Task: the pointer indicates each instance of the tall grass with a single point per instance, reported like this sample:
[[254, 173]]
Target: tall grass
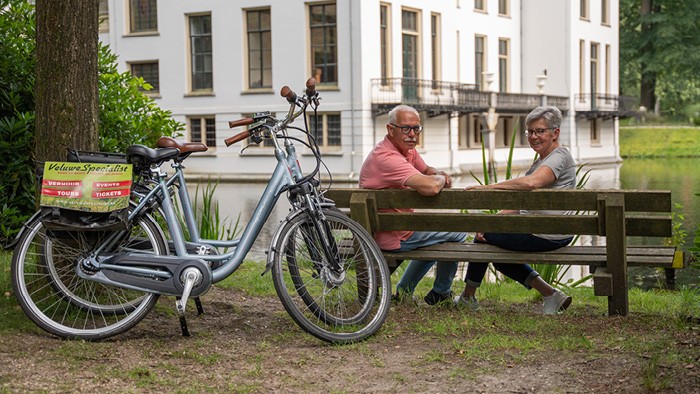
[[208, 216]]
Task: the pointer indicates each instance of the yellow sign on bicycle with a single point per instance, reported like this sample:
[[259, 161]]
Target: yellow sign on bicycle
[[90, 187]]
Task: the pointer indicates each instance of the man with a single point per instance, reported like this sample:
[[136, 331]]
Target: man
[[394, 163]]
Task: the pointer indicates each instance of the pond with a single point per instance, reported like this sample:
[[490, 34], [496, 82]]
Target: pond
[[681, 176]]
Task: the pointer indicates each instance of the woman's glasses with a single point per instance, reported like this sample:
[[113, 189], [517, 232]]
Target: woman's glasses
[[537, 132]]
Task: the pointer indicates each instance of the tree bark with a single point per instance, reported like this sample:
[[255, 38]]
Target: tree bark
[[66, 90], [647, 86]]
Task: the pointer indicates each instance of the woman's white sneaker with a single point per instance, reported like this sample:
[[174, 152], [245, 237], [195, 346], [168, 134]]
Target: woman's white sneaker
[[470, 302], [556, 303]]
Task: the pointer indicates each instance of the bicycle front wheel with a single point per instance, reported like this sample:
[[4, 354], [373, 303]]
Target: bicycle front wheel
[[338, 306], [53, 296]]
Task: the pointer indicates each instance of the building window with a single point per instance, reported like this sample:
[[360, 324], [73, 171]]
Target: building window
[[607, 69], [479, 61], [385, 43], [503, 65], [509, 129], [203, 129], [202, 76], [594, 73], [259, 49], [605, 12], [149, 72], [581, 69], [324, 43], [410, 31], [595, 131], [435, 47], [325, 128], [104, 16], [480, 5], [583, 12], [504, 7], [469, 135], [143, 16]]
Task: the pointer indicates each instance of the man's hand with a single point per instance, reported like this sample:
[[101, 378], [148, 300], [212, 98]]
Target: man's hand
[[448, 179]]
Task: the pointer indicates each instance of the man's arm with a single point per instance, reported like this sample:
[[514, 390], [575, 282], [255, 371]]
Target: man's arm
[[427, 185], [542, 177]]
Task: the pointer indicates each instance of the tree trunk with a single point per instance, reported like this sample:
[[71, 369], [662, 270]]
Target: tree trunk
[[66, 77], [647, 86]]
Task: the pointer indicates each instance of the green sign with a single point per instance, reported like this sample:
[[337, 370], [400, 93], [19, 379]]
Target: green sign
[[87, 187]]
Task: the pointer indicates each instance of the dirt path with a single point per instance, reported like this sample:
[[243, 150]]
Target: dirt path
[[249, 344]]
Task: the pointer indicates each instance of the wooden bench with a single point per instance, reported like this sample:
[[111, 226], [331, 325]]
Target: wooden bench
[[614, 214]]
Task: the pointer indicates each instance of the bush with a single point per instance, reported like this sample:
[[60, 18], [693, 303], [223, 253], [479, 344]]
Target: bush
[[127, 115]]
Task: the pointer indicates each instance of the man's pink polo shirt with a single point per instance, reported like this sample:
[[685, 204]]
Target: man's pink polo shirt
[[386, 168]]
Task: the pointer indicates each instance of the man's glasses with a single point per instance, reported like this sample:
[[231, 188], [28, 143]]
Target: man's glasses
[[407, 129], [537, 132]]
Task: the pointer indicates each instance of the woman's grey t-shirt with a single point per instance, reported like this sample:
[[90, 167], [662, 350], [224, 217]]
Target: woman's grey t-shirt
[[563, 166]]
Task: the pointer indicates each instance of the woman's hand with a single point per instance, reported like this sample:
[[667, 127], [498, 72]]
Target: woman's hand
[[479, 237]]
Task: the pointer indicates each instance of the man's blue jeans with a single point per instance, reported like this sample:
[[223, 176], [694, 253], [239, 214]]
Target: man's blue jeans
[[416, 270]]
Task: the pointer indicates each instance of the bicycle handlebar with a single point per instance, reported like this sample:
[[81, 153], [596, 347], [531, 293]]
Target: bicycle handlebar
[[310, 87], [240, 122], [289, 94], [291, 97], [238, 137]]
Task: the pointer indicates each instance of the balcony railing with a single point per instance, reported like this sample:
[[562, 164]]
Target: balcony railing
[[595, 105], [438, 97], [435, 96]]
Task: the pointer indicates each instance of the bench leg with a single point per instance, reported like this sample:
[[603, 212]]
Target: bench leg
[[616, 253], [670, 278]]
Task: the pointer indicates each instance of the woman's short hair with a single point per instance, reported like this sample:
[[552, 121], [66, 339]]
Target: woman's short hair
[[551, 115]]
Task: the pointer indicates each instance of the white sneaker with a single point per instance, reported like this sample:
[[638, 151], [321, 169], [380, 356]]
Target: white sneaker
[[470, 302], [556, 303]]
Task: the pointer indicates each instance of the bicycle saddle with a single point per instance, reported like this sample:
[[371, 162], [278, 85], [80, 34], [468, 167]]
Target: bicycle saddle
[[184, 147], [140, 155]]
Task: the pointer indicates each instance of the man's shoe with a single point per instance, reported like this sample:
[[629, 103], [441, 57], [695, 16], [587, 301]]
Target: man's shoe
[[433, 298], [556, 303], [403, 298], [470, 302]]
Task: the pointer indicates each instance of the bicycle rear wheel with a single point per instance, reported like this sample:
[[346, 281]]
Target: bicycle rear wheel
[[336, 306], [49, 290]]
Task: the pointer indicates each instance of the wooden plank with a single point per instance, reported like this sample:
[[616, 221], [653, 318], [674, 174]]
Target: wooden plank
[[602, 282], [437, 221], [570, 255], [616, 256], [635, 200]]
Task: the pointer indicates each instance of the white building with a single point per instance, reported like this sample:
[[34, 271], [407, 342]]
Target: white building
[[212, 61]]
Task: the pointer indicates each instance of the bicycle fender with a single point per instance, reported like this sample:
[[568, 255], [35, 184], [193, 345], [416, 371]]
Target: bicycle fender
[[270, 250], [11, 244]]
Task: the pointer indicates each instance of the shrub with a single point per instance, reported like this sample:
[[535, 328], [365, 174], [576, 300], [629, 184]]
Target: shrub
[[127, 115]]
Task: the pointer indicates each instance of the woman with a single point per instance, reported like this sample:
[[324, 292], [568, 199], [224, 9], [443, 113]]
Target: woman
[[553, 169]]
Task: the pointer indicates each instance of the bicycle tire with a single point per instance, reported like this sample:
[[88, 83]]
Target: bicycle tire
[[343, 307], [62, 303]]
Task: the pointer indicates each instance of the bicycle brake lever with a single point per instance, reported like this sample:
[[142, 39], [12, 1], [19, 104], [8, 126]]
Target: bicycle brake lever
[[247, 146]]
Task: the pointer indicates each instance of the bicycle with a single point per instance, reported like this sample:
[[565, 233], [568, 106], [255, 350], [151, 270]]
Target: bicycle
[[327, 270]]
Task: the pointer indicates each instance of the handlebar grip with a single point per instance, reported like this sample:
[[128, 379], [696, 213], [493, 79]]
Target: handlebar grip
[[289, 94], [310, 87], [240, 122], [238, 137]]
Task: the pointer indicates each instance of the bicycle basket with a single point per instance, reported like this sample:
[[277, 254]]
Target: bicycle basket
[[84, 196]]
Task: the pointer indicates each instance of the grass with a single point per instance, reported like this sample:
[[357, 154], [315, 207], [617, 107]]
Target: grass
[[509, 331], [657, 142]]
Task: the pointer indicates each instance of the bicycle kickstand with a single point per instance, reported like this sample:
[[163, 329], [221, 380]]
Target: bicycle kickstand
[[191, 277]]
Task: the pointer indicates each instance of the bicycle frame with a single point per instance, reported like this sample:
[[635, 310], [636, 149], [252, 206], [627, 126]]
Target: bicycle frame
[[285, 175]]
